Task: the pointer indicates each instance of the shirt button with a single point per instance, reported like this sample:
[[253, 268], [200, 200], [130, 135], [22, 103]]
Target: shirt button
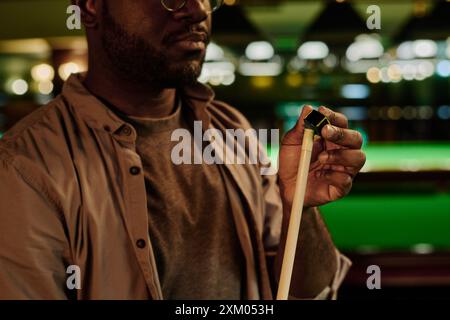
[[135, 171], [126, 131], [141, 243]]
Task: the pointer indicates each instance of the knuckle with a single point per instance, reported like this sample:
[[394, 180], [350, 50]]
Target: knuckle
[[340, 135]]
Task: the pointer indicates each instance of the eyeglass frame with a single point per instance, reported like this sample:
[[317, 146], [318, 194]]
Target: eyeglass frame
[[184, 4]]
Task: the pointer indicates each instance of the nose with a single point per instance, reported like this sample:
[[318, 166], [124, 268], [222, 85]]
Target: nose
[[194, 11]]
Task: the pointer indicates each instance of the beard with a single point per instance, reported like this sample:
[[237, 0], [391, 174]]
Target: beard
[[136, 60]]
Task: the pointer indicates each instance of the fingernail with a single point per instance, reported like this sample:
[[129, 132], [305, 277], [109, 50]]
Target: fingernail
[[331, 131], [327, 111]]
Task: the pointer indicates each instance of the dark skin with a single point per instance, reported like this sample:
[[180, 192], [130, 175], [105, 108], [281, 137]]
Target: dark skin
[[150, 21], [136, 65], [336, 159]]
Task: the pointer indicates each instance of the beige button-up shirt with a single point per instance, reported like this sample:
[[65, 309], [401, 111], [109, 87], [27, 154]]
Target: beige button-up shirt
[[72, 193]]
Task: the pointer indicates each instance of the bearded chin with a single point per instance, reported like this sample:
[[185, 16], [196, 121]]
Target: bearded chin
[[136, 61], [176, 75]]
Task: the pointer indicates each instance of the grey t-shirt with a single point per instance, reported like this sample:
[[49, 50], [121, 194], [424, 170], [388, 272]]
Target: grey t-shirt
[[191, 226]]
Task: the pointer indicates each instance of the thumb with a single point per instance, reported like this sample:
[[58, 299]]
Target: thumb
[[295, 135]]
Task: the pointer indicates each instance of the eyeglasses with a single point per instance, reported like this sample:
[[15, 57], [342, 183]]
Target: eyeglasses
[[175, 5]]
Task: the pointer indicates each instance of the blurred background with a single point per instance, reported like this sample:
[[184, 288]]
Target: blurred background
[[269, 58]]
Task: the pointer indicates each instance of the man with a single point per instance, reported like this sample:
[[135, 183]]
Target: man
[[88, 180]]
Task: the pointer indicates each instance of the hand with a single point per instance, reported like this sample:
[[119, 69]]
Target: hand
[[336, 159]]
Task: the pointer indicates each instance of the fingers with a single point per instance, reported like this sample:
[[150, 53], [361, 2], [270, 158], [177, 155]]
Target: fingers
[[337, 133], [336, 118], [343, 137], [343, 157], [300, 123], [342, 182]]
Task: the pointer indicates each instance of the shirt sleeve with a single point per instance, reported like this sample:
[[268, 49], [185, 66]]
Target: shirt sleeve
[[331, 291], [32, 240]]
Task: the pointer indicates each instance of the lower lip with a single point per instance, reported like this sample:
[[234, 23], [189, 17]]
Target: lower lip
[[191, 45]]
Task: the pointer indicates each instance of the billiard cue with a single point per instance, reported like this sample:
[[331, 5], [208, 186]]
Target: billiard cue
[[314, 123]]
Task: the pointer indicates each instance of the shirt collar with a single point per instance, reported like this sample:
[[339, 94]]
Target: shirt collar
[[91, 109], [98, 116]]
